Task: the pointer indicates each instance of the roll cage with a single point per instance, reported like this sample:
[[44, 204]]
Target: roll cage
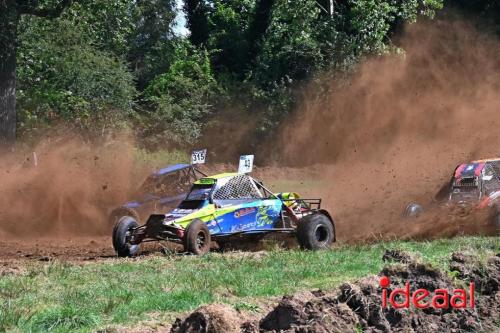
[[223, 190], [181, 177]]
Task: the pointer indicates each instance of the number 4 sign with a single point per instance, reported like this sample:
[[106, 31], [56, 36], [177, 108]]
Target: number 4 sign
[[246, 164], [198, 156]]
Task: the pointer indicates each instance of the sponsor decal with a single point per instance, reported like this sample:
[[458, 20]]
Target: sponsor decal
[[206, 181], [422, 298], [243, 212], [248, 226]]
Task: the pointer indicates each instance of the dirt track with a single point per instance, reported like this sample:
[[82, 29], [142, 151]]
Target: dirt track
[[391, 136], [44, 249], [371, 214]]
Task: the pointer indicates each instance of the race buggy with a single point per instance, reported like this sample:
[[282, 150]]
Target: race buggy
[[225, 207], [161, 191], [473, 187]]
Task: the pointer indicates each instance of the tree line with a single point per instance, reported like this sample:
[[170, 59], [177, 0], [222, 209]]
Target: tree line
[[99, 65]]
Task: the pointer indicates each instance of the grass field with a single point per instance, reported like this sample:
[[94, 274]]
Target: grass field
[[62, 297]]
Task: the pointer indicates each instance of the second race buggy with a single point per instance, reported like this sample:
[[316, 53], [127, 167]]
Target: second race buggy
[[161, 191], [474, 188]]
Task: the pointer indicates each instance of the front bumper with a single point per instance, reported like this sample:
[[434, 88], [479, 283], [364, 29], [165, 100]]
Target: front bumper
[[156, 229]]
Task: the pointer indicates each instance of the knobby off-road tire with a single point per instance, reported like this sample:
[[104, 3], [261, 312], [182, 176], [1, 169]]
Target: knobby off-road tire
[[315, 232], [197, 238], [121, 231]]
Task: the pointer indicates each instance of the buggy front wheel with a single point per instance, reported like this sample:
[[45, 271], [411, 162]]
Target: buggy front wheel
[[197, 238], [315, 232], [121, 237]]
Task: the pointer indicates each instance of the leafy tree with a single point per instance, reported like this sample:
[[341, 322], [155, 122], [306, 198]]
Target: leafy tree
[[107, 24], [62, 77], [289, 49], [306, 38], [197, 20], [230, 29], [10, 14], [258, 26], [86, 66], [180, 101], [300, 39], [486, 13], [228, 23], [152, 41]]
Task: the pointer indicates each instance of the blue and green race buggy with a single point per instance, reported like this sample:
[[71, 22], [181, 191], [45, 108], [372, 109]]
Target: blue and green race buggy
[[226, 207]]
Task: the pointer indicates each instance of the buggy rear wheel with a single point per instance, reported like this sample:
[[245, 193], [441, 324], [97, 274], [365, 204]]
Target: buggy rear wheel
[[121, 237], [197, 238], [315, 232]]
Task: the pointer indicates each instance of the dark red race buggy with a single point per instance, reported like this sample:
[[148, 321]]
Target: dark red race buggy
[[474, 187]]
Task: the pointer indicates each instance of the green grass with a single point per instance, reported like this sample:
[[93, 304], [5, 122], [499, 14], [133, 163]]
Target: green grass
[[158, 159], [63, 297]]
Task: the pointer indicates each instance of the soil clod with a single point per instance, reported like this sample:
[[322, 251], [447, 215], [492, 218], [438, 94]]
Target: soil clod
[[355, 307], [397, 256], [215, 318]]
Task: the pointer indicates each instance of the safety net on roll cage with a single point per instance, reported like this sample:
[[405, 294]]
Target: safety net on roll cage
[[237, 187]]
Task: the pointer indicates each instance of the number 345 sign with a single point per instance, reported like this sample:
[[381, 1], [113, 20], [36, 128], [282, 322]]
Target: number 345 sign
[[246, 164], [198, 156]]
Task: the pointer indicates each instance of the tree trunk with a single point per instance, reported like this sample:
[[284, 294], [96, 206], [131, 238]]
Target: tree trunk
[[8, 42], [258, 27], [326, 6], [8, 100], [197, 21]]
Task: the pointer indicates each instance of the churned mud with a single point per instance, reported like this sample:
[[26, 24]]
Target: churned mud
[[355, 307]]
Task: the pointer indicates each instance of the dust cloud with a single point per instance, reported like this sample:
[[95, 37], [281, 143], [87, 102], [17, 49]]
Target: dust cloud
[[391, 135], [66, 189], [397, 130]]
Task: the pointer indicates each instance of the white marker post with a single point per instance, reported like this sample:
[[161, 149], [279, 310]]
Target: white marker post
[[198, 156], [246, 164]]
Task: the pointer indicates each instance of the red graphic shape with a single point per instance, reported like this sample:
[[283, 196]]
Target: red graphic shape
[[384, 282]]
